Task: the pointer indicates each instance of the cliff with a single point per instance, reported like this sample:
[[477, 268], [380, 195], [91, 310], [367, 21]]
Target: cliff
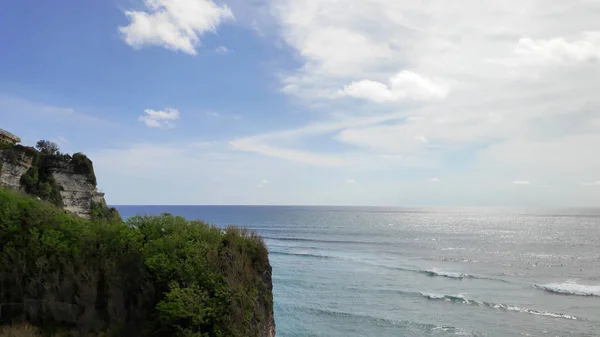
[[67, 181], [70, 266], [147, 276]]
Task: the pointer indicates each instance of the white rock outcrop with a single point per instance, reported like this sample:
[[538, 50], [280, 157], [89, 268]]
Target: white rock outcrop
[[11, 170], [76, 191]]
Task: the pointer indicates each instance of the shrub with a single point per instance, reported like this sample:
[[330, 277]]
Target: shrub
[[100, 212], [148, 276], [83, 165]]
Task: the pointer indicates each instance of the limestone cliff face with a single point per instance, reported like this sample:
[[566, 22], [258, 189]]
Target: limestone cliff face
[[77, 190], [12, 167]]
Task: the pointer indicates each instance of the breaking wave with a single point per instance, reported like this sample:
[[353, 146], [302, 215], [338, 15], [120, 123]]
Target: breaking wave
[[570, 288], [455, 275], [303, 254], [463, 300]]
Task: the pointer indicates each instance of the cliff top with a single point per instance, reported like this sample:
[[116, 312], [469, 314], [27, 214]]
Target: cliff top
[[7, 135]]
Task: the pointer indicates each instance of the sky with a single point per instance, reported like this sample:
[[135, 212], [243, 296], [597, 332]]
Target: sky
[[313, 102]]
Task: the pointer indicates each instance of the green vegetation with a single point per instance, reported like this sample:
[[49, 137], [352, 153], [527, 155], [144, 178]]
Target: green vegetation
[[148, 276], [101, 211], [38, 181], [83, 165]]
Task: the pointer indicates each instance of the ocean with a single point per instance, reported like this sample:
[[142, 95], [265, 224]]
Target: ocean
[[356, 271]]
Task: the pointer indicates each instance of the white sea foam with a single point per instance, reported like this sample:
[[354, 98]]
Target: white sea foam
[[570, 288], [449, 274], [464, 300]]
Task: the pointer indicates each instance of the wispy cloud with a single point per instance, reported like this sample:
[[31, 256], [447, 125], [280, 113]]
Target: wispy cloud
[[222, 50], [435, 180], [422, 139], [160, 118], [350, 181], [256, 28], [521, 182], [174, 24], [263, 183], [60, 140], [591, 183], [21, 107]]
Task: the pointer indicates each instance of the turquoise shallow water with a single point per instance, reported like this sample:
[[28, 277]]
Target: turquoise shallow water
[[343, 271]]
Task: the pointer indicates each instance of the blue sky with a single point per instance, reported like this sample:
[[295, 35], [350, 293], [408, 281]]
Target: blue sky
[[313, 101]]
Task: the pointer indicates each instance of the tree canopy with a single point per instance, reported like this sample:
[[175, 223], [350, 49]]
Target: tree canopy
[[148, 276]]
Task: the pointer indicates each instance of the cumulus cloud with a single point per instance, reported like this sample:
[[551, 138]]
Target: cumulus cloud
[[160, 118], [521, 182], [506, 88], [557, 50], [402, 86], [173, 24]]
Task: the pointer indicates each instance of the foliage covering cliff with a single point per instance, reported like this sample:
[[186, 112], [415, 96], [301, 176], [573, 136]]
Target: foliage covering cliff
[[148, 276]]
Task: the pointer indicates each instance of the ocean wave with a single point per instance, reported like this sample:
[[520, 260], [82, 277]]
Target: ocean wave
[[570, 288], [321, 240], [428, 272], [410, 327], [303, 254], [463, 300], [456, 275]]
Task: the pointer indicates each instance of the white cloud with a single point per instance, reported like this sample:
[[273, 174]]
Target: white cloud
[[350, 181], [521, 182], [404, 85], [160, 118], [299, 156], [557, 50], [173, 24], [221, 50], [505, 120], [256, 28], [591, 183], [213, 114], [435, 180], [415, 87]]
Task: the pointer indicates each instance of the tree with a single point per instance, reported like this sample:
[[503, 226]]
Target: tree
[[47, 147]]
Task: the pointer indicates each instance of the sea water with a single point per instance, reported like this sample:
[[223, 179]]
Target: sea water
[[355, 271]]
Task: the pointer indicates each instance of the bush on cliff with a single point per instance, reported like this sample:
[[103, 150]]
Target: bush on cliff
[[149, 276]]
